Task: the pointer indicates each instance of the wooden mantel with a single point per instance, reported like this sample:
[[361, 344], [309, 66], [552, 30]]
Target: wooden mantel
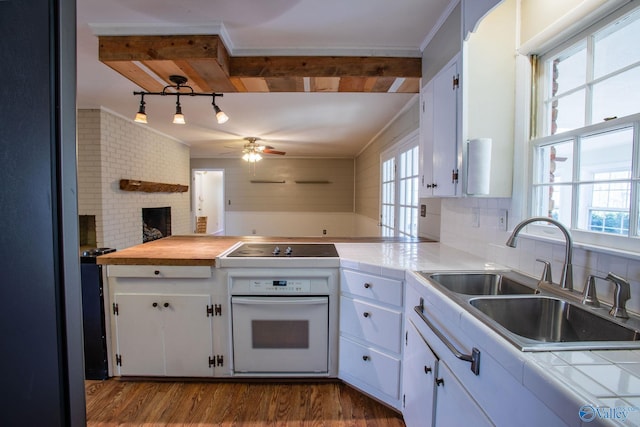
[[151, 187]]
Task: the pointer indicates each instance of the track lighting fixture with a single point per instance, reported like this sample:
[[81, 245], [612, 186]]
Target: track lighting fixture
[[179, 84]]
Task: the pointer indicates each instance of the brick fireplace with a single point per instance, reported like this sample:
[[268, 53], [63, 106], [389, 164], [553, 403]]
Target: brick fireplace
[[111, 148]]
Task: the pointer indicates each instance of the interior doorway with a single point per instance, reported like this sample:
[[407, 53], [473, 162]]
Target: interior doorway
[[208, 199]]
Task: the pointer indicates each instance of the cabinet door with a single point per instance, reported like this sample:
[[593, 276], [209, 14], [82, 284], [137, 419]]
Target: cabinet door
[[426, 140], [187, 335], [454, 406], [139, 336], [419, 366], [445, 130]]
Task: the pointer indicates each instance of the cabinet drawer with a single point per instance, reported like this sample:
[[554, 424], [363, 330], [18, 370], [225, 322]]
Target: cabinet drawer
[[159, 271], [371, 367], [374, 287], [375, 324]]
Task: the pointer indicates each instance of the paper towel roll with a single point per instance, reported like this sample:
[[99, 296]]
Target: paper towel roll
[[479, 166]]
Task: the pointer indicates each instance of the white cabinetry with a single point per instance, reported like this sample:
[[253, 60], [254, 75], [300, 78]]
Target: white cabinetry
[[472, 96], [432, 393], [371, 334], [439, 131], [167, 321], [418, 379], [163, 334]]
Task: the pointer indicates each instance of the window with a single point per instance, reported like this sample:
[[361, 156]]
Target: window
[[586, 170], [399, 195]]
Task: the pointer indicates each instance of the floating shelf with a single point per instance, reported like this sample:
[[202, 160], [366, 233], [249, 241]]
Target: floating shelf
[[266, 181], [314, 182], [151, 187]]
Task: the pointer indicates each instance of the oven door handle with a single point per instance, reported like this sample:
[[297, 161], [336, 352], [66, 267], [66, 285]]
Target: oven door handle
[[279, 300]]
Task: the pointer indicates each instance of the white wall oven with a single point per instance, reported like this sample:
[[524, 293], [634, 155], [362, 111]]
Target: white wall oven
[[284, 317]]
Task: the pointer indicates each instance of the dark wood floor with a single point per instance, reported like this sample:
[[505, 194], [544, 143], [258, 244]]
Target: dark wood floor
[[117, 402]]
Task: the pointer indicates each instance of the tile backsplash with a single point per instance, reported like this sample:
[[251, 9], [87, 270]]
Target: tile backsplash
[[473, 225]]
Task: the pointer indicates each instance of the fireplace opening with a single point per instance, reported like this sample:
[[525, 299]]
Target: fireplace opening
[[156, 223]]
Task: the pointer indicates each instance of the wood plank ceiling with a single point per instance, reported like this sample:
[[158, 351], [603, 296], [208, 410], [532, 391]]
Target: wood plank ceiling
[[205, 61]]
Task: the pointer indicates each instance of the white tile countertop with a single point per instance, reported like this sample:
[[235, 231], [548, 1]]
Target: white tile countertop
[[604, 381]]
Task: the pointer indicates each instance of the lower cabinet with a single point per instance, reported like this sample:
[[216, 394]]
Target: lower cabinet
[[418, 379], [169, 321], [163, 335], [433, 392], [371, 325]]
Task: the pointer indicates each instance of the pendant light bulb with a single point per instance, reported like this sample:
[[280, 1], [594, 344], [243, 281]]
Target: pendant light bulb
[[178, 118], [221, 117], [141, 116]]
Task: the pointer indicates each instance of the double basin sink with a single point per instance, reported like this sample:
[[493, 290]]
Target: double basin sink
[[507, 302]]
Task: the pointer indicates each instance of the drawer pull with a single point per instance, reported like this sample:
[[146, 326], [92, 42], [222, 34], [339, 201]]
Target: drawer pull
[[439, 382], [367, 285], [473, 358], [166, 304], [155, 304], [366, 314], [427, 370], [157, 272], [366, 358]]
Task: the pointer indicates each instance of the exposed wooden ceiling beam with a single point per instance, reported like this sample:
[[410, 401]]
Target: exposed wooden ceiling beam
[[205, 61]]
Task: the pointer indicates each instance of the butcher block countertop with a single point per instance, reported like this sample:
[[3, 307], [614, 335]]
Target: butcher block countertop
[[199, 250]]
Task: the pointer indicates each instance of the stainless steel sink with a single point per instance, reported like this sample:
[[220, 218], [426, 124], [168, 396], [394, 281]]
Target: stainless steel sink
[[546, 323], [481, 283]]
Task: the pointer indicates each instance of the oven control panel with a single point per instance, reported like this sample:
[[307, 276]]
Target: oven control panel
[[280, 286]]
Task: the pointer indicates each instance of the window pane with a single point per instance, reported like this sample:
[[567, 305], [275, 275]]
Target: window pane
[[553, 202], [604, 208], [568, 70], [616, 46], [555, 163], [606, 156], [567, 113], [613, 97]]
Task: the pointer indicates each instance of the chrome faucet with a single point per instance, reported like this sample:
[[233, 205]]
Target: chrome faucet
[[566, 279], [620, 296]]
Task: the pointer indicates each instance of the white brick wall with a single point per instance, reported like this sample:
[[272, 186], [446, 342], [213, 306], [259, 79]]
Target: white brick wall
[[111, 148]]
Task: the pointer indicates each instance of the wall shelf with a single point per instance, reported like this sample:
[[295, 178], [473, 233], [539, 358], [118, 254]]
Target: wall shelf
[[151, 187], [266, 181], [314, 182]]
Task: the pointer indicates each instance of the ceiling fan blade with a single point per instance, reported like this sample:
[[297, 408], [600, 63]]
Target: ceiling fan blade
[[270, 151]]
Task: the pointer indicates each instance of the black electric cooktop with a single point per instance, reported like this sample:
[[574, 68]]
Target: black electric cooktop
[[283, 250]]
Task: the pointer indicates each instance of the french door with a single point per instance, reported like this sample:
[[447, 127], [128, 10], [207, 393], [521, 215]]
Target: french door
[[399, 189]]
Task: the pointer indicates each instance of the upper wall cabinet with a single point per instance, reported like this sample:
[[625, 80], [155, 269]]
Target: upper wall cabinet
[[485, 109], [440, 133]]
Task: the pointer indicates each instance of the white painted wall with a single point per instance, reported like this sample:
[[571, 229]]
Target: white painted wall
[[111, 148]]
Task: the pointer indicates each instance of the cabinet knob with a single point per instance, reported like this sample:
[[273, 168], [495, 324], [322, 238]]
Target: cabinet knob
[[367, 285], [157, 272], [429, 185], [366, 314], [366, 358], [439, 382], [155, 304], [434, 185], [166, 304], [427, 370]]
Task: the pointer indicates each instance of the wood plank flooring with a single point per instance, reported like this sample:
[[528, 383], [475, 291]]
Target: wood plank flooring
[[117, 402]]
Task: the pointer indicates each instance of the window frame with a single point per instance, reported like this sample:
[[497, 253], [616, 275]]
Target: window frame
[[540, 123]]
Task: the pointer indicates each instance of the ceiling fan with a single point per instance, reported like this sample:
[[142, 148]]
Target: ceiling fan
[[252, 151]]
